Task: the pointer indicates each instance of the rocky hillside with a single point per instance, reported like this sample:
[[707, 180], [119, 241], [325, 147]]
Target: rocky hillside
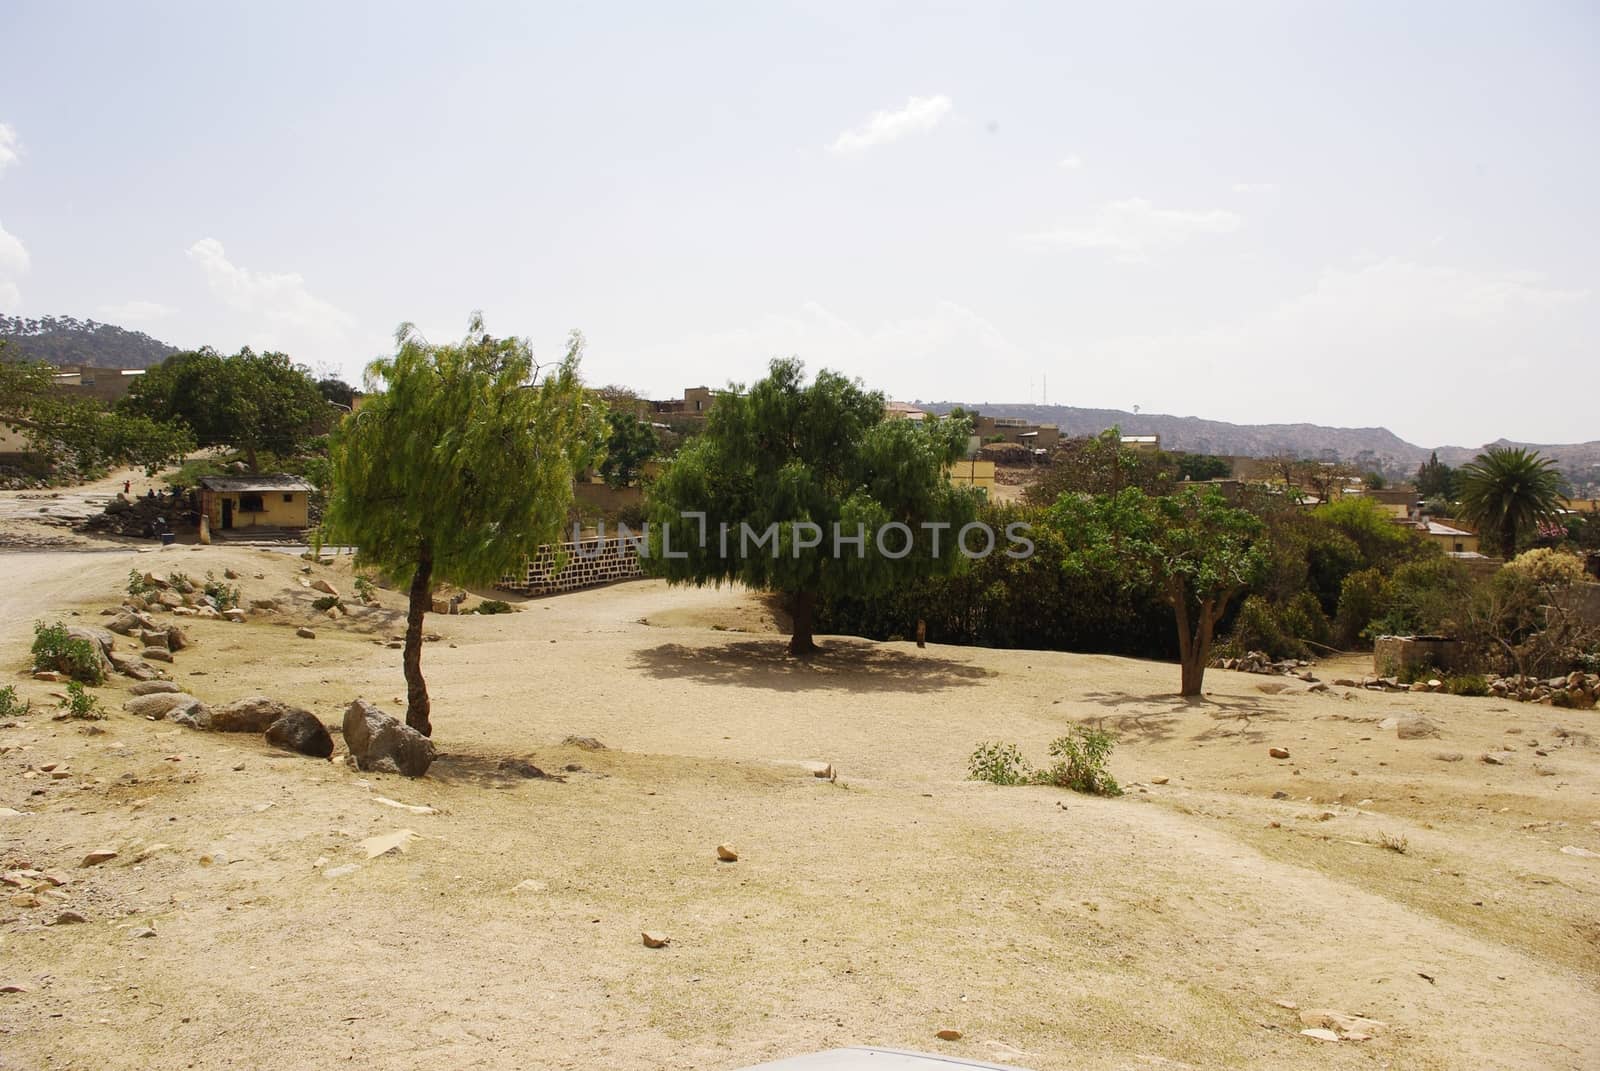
[[65, 341]]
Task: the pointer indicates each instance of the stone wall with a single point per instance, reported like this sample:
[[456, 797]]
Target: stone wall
[[1393, 655], [561, 567]]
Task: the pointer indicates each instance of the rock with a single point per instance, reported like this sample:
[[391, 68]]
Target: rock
[[1320, 1034], [236, 615], [587, 743], [136, 668], [823, 770], [302, 732], [1278, 752], [163, 704], [13, 987], [1448, 756], [1415, 728], [1159, 780], [143, 931], [726, 853], [69, 918], [253, 714], [125, 623], [325, 587], [1491, 759], [153, 637], [948, 1035], [379, 742], [1581, 853], [49, 676], [520, 768], [170, 599], [1280, 795], [98, 856], [265, 606], [177, 639], [653, 939], [394, 843], [305, 633], [414, 808], [154, 688], [156, 654]]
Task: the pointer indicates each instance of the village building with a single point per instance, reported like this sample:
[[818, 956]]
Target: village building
[[269, 500]]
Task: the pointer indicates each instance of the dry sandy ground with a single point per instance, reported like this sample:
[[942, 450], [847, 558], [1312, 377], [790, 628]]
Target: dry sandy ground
[[1159, 930]]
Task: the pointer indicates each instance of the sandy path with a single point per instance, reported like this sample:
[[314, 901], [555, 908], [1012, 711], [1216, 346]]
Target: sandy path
[[1056, 931]]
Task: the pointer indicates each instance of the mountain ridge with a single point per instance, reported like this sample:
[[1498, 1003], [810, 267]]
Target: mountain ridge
[[66, 341]]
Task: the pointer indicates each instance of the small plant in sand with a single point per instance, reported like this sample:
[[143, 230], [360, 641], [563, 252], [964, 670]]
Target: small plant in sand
[[79, 704], [366, 591], [225, 595], [10, 705], [54, 649], [326, 602], [1080, 764], [137, 584], [1393, 843], [493, 606]]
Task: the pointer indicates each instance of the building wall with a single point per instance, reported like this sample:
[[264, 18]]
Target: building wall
[[1464, 543], [274, 512], [979, 474], [1392, 655], [560, 567]]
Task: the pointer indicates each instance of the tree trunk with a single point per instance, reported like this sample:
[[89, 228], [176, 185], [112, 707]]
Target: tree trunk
[[250, 458], [417, 706], [1508, 539], [803, 610]]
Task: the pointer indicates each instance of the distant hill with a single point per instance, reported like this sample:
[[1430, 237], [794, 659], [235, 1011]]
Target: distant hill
[[66, 341], [1377, 448]]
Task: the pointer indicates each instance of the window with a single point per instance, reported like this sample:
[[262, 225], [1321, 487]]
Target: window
[[288, 496], [251, 504]]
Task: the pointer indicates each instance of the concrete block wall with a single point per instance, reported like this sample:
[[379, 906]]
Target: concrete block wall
[[598, 564]]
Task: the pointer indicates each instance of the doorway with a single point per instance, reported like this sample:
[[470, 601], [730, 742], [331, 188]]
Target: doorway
[[227, 513]]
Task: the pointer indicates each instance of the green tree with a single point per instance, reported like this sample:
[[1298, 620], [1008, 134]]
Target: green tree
[[785, 469], [249, 401], [1101, 465], [1508, 491], [85, 433], [1192, 549], [457, 469], [630, 442], [1436, 479], [1203, 467]]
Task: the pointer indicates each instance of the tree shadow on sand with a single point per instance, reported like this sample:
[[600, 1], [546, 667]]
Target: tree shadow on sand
[[1158, 720], [839, 666], [489, 771]]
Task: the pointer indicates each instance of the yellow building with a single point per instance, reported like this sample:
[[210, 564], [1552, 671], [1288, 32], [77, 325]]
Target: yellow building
[[974, 473], [271, 500], [1454, 540]]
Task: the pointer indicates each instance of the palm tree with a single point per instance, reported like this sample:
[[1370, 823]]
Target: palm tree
[[1508, 490]]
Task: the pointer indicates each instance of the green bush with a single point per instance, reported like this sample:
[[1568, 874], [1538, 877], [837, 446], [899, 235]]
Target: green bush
[[1081, 762], [10, 705], [1259, 627], [326, 602], [224, 595], [54, 650], [137, 584], [1467, 684], [79, 704], [999, 764], [365, 591], [493, 606]]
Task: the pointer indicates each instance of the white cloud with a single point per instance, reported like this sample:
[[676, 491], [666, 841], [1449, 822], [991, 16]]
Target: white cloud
[[8, 146], [1438, 354], [1131, 229], [135, 312], [275, 311], [13, 266], [1255, 187], [920, 114], [1070, 163]]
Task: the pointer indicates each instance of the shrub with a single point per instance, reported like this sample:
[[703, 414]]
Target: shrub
[[326, 602], [1548, 568], [137, 584], [10, 705], [225, 597], [78, 703], [1467, 684], [1081, 762], [493, 606], [365, 590], [53, 649], [999, 764], [1395, 843], [1258, 627]]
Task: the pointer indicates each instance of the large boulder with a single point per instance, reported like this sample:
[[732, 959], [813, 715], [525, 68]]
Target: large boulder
[[126, 623], [98, 638], [253, 714], [154, 687], [379, 742], [177, 639], [137, 668], [302, 731], [161, 705]]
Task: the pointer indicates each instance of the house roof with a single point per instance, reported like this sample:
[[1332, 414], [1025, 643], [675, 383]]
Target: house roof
[[1435, 528], [270, 481]]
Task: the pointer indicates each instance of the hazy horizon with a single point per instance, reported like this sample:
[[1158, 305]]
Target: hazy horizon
[[1353, 216]]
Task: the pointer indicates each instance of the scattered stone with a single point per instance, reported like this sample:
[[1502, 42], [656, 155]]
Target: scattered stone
[[143, 931], [156, 654], [68, 918], [948, 1035], [414, 808], [164, 704], [252, 714], [325, 587], [301, 731], [587, 743], [305, 633], [1415, 728], [379, 742], [98, 856], [49, 676], [389, 843], [1320, 1034], [1448, 756], [1278, 752], [1280, 795], [153, 688], [521, 768], [13, 987], [1488, 758], [652, 939], [1159, 780], [726, 853], [340, 871], [823, 770]]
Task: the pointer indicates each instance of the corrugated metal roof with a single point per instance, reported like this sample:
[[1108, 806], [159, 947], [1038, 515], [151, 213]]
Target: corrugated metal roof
[[270, 481]]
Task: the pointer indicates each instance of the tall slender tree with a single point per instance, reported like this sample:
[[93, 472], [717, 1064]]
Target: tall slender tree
[[1509, 491], [456, 468]]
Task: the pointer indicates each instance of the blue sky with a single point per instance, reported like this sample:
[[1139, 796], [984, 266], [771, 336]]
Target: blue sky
[[1353, 214]]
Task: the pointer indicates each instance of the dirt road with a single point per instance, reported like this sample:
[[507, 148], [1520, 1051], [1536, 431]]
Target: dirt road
[[1165, 929]]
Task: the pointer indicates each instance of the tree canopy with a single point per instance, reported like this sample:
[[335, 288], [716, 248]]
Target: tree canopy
[[1509, 491], [630, 442], [82, 432], [1191, 548], [252, 402], [783, 467], [457, 468]]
